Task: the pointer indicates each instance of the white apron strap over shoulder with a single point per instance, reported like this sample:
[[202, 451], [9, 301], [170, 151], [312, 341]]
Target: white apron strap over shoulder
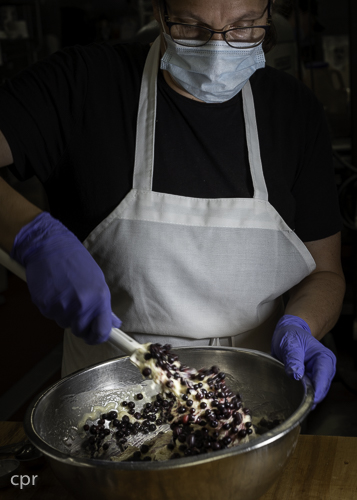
[[256, 167], [146, 120]]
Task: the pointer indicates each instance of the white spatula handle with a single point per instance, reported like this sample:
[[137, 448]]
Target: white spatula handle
[[12, 265], [123, 341], [117, 337]]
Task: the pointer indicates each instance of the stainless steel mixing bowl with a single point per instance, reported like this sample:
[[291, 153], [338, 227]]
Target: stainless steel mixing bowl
[[245, 471]]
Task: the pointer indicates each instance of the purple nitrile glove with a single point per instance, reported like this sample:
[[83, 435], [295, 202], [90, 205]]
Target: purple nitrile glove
[[65, 282], [294, 345]]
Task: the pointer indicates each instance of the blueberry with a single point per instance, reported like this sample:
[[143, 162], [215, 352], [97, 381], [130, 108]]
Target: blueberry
[[191, 440], [146, 372], [238, 418]]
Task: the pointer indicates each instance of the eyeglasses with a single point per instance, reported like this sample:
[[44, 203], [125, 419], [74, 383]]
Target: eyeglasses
[[191, 35]]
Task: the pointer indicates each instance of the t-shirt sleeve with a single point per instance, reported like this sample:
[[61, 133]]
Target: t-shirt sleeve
[[39, 109], [314, 189]]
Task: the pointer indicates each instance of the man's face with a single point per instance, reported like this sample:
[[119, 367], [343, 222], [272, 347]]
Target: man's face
[[215, 14]]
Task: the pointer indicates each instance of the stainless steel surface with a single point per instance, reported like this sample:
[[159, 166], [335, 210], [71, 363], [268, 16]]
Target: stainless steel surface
[[117, 337], [245, 471]]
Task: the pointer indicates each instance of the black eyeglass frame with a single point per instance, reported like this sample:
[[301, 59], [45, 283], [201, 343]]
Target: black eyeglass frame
[[266, 28]]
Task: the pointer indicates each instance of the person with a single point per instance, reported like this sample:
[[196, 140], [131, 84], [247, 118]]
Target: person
[[191, 192]]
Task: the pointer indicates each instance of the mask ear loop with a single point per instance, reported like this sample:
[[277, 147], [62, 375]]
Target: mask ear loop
[[162, 25]]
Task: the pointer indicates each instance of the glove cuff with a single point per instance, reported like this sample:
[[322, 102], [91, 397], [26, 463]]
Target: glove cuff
[[289, 319]]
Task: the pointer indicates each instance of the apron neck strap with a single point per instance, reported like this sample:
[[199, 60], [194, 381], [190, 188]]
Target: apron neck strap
[[256, 167], [145, 129], [145, 126]]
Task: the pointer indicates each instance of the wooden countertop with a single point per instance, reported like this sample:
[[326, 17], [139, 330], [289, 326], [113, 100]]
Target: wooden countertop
[[321, 468]]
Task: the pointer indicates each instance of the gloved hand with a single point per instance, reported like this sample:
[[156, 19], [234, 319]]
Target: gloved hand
[[65, 282], [294, 345]]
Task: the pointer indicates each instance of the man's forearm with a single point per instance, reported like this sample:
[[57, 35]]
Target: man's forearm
[[318, 300], [15, 212]]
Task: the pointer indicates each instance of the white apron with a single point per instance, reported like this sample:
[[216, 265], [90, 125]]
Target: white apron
[[192, 271]]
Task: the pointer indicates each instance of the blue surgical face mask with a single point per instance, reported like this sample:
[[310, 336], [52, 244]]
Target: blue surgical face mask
[[214, 72]]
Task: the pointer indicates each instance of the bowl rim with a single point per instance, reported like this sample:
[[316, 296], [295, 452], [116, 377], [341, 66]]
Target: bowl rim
[[267, 438]]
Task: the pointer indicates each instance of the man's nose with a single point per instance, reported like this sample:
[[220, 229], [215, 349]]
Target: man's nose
[[217, 36]]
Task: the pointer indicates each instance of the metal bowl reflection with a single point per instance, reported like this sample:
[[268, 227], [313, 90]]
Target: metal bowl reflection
[[246, 471]]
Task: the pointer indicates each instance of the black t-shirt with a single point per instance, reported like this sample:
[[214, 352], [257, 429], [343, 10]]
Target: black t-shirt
[[71, 120]]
